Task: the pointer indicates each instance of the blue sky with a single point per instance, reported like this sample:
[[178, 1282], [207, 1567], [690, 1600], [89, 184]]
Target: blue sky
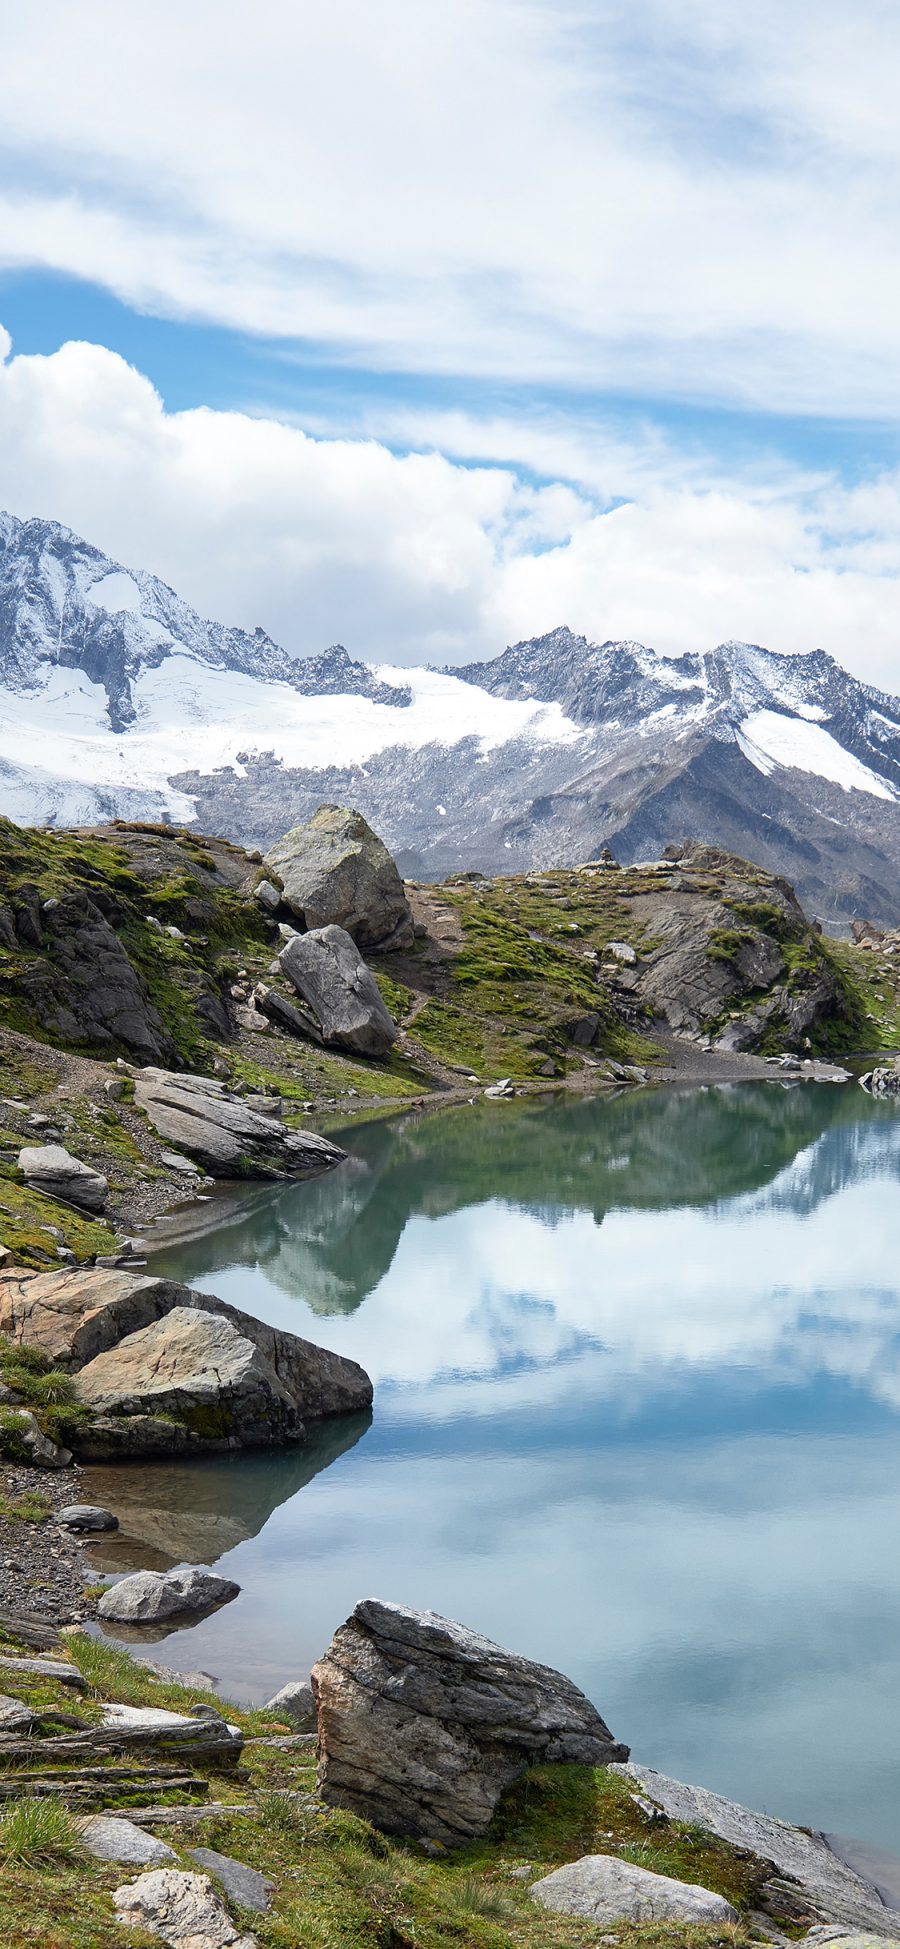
[[425, 329]]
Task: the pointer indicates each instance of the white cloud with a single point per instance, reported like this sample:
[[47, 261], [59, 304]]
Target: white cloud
[[692, 200], [415, 556]]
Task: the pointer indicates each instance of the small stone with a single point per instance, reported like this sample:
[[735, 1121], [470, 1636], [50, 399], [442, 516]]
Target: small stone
[[622, 951], [148, 1597], [173, 1162], [86, 1516]]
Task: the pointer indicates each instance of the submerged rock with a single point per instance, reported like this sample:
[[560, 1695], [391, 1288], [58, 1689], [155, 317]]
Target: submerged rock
[[335, 871], [333, 980], [422, 1723], [605, 1889]]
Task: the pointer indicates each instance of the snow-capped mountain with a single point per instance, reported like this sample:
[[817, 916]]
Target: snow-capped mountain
[[118, 700]]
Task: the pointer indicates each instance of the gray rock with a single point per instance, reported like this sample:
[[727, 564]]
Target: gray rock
[[605, 1889], [14, 1716], [183, 1909], [85, 1516], [503, 1089], [108, 1839], [422, 1723], [52, 1169], [295, 1702], [84, 989], [44, 1668], [833, 1890], [244, 1886], [855, 1939], [185, 1165], [198, 1369], [39, 1450], [882, 1082], [150, 1597], [335, 871], [328, 972], [74, 1316], [229, 1139], [621, 951], [268, 896], [285, 1015]]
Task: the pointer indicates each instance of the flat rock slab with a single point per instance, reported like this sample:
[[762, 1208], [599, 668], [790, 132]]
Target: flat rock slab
[[422, 1723], [150, 1596], [43, 1668], [183, 1909], [605, 1889], [857, 1939], [834, 1891], [121, 1841], [228, 1138], [244, 1886]]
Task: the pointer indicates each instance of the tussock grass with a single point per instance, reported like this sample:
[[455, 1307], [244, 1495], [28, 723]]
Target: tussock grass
[[35, 1832]]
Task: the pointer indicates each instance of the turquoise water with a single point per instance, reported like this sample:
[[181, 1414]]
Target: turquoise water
[[637, 1414]]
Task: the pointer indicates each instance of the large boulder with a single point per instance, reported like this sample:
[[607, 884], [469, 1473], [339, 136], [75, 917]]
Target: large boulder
[[332, 978], [605, 1889], [422, 1723], [830, 1888], [198, 1369], [151, 1597], [52, 1169], [336, 871], [228, 1138], [230, 1380]]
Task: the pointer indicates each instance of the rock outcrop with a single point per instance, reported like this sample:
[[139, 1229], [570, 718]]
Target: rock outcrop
[[200, 1370], [52, 1169], [422, 1723], [830, 1888], [605, 1889], [331, 977], [336, 871], [228, 1138], [168, 1369], [85, 989]]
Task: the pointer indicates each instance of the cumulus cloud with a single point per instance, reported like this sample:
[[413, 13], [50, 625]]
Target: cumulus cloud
[[418, 556], [683, 199]]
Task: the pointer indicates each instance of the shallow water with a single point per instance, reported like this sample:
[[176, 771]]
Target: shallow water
[[637, 1414]]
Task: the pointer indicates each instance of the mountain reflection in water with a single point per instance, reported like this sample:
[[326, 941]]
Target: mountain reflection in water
[[637, 1370]]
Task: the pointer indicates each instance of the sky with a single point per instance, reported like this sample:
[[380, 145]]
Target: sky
[[425, 329]]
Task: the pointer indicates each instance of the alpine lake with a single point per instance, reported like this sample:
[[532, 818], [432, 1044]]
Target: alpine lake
[[637, 1415]]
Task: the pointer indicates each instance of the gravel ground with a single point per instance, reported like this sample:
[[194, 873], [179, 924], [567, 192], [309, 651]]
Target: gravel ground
[[42, 1567]]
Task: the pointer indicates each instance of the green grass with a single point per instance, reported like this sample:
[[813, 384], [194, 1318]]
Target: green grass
[[37, 1833], [29, 1507], [23, 1212]]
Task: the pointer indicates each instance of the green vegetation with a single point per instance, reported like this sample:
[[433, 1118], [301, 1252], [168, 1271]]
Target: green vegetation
[[46, 1391], [25, 1216], [29, 1507], [725, 943], [339, 1884]]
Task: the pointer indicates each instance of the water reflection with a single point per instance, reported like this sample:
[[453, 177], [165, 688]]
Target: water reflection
[[637, 1377]]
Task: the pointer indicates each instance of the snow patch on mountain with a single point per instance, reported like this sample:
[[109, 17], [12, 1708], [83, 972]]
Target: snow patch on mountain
[[768, 739]]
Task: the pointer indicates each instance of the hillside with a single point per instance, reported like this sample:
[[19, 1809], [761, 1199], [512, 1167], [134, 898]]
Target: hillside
[[130, 945], [118, 700]]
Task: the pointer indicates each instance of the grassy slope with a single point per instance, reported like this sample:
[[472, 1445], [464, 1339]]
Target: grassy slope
[[341, 1885]]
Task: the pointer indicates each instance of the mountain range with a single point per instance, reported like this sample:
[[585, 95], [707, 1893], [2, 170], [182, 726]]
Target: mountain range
[[117, 700]]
